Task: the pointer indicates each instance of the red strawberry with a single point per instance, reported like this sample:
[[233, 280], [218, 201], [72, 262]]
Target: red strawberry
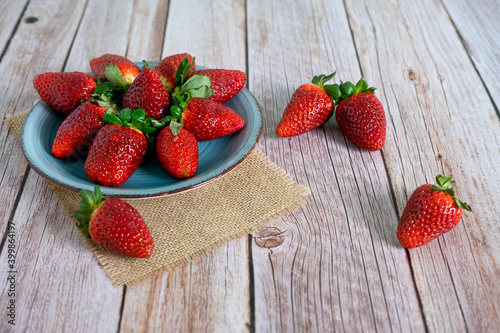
[[310, 107], [64, 91], [361, 116], [128, 69], [431, 211], [206, 119], [177, 151], [167, 69], [114, 224], [77, 131], [225, 82], [209, 120], [119, 148], [147, 93]]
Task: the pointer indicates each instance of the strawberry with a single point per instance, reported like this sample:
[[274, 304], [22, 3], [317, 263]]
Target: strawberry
[[114, 224], [310, 107], [119, 147], [128, 70], [206, 119], [147, 93], [177, 151], [64, 91], [167, 69], [431, 211], [209, 120], [77, 131], [225, 82], [361, 116]]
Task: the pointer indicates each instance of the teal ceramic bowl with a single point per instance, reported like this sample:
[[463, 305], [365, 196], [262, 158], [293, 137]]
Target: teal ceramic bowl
[[216, 157]]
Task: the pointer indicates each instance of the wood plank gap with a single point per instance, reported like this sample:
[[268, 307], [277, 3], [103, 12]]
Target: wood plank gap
[[122, 306], [13, 31], [420, 303], [247, 60], [251, 286], [14, 208], [352, 36], [454, 287], [74, 36], [165, 29], [462, 40]]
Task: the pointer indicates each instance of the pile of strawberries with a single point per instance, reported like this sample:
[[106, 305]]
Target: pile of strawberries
[[119, 109]]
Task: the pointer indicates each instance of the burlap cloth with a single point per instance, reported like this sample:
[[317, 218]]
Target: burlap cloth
[[193, 223]]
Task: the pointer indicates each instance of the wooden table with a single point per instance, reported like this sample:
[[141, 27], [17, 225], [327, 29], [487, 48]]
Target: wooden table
[[435, 64]]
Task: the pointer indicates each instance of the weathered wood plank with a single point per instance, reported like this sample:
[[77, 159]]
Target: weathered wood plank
[[339, 266], [26, 57], [478, 24], [211, 293], [441, 120], [10, 12], [77, 289]]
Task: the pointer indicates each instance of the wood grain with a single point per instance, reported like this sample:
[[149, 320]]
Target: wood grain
[[431, 113], [340, 267], [212, 293], [478, 26]]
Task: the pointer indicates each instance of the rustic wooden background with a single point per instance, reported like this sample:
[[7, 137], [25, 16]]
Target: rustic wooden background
[[333, 265]]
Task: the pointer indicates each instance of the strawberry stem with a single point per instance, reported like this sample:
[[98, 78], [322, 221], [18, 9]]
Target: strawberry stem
[[443, 183], [90, 203]]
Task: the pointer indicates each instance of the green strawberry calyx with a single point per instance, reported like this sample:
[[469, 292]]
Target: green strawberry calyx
[[197, 86], [442, 185], [320, 81], [134, 119], [90, 203], [346, 90]]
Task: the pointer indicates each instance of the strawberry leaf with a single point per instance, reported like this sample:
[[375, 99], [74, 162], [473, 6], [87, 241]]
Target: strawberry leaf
[[125, 115], [109, 118], [114, 75], [182, 71], [197, 81], [175, 127], [138, 115], [201, 92]]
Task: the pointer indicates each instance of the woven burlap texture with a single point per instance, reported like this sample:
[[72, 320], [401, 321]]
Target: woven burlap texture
[[193, 223]]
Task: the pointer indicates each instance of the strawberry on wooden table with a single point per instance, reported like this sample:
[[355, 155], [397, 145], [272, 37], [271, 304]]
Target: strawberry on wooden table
[[119, 147], [114, 224], [177, 151], [128, 70], [431, 211], [226, 83], [167, 69], [64, 91], [310, 107], [148, 93], [360, 115]]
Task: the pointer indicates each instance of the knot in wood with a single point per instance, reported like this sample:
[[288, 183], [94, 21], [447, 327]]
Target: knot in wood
[[269, 237]]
